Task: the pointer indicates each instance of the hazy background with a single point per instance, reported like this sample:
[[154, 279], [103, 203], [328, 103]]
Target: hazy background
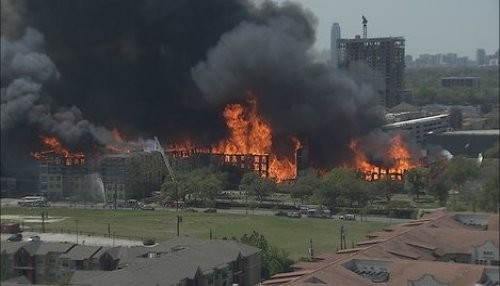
[[429, 26]]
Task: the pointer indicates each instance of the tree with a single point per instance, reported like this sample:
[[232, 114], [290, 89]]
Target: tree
[[305, 184], [490, 192], [342, 186], [274, 260], [204, 183], [388, 187], [257, 186], [415, 180]]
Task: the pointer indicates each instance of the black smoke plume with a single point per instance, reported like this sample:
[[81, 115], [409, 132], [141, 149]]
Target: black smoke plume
[[166, 68]]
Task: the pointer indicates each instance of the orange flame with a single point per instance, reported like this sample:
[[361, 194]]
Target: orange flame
[[56, 147], [249, 134], [398, 152], [119, 145]]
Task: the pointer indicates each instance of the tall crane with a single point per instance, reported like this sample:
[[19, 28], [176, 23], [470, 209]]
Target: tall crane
[[169, 168]]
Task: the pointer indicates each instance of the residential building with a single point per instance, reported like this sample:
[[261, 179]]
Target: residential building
[[132, 175], [37, 261], [421, 128], [377, 61], [334, 50], [61, 176], [440, 248], [179, 261]]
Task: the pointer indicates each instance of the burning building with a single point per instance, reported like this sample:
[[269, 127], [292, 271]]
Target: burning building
[[61, 172], [243, 84], [132, 175]]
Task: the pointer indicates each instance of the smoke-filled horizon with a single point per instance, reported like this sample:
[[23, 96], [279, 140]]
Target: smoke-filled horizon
[[78, 69]]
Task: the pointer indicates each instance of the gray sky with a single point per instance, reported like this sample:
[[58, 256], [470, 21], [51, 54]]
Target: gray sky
[[429, 26]]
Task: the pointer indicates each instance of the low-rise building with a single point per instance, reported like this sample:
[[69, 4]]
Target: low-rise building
[[440, 248], [421, 128]]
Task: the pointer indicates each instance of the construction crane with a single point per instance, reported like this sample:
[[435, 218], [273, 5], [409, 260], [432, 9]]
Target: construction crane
[[170, 170]]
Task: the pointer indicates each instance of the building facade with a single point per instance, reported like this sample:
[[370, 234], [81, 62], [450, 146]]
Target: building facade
[[60, 176], [421, 128], [132, 175], [378, 61]]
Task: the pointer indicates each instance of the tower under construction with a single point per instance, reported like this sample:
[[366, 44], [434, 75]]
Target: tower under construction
[[378, 61]]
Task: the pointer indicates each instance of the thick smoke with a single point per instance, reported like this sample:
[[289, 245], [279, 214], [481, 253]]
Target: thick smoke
[[166, 68], [272, 59]]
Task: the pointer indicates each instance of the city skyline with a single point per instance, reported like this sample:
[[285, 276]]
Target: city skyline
[[432, 36]]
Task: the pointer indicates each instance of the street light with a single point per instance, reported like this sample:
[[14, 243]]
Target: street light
[[76, 231]]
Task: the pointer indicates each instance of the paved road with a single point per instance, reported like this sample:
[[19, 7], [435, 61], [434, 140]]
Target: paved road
[[72, 238], [261, 212]]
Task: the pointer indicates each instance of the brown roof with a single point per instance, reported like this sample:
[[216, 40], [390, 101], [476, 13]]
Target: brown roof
[[412, 249]]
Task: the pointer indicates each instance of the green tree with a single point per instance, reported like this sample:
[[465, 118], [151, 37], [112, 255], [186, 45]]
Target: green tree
[[305, 184], [415, 181], [274, 260], [257, 186], [490, 192], [342, 186], [387, 187]]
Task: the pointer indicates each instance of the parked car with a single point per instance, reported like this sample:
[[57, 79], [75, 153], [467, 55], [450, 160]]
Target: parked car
[[281, 213], [295, 215], [15, 237], [147, 208], [34, 238], [348, 217]]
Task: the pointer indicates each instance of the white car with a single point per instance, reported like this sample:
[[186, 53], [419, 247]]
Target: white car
[[34, 238]]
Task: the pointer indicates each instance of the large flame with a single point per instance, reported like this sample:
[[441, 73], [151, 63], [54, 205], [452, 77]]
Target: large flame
[[398, 152], [249, 134], [55, 147], [118, 145]]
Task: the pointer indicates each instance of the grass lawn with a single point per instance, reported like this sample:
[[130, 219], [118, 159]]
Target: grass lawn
[[289, 234]]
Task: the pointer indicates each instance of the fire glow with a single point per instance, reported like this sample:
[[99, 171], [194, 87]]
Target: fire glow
[[55, 147], [251, 135], [398, 152]]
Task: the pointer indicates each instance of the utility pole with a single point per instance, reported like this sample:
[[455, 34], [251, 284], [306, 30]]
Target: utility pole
[[343, 244], [76, 231], [311, 250], [43, 222], [179, 220], [109, 230], [210, 234]]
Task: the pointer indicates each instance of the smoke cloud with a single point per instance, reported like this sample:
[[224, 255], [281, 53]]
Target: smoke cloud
[[272, 59], [166, 68]]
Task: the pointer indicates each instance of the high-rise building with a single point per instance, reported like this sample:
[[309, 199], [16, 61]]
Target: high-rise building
[[334, 37], [377, 61], [481, 57]]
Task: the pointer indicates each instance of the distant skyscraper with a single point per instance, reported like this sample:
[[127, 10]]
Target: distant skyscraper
[[334, 37], [480, 57]]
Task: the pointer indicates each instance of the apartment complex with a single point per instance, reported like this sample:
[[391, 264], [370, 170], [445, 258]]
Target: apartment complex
[[440, 248], [132, 175], [61, 176], [180, 261]]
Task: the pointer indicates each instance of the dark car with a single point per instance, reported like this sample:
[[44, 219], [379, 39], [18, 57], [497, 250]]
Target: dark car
[[15, 237]]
